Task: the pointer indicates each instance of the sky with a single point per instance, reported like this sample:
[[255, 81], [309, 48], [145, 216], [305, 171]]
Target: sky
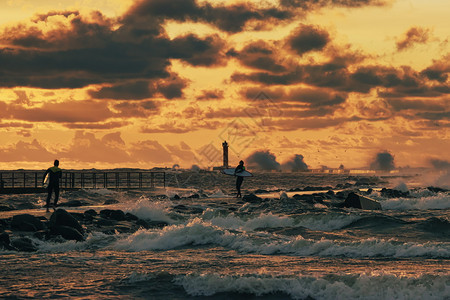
[[154, 83]]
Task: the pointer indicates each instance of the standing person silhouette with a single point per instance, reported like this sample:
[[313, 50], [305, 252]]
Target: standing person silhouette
[[55, 173], [239, 179]]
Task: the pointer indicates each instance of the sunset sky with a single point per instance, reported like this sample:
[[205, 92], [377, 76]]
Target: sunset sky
[[122, 83]]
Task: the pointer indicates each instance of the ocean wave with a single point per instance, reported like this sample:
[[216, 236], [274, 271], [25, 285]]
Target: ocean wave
[[144, 208], [437, 201], [199, 232], [324, 222], [360, 286]]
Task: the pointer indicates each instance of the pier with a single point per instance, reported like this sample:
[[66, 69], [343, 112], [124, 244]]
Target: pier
[[26, 182]]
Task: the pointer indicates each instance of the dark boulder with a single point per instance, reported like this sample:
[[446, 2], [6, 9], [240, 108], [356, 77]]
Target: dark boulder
[[143, 223], [5, 242], [90, 212], [105, 222], [358, 201], [113, 214], [23, 244], [252, 198], [110, 201], [176, 197], [73, 203], [26, 222], [130, 217], [436, 189], [62, 218], [68, 233], [305, 198], [391, 193], [6, 207], [194, 196]]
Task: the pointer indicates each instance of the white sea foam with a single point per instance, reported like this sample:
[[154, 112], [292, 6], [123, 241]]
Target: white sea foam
[[436, 201], [361, 286], [145, 208], [325, 222]]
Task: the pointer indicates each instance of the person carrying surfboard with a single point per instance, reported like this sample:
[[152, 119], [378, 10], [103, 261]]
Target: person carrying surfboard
[[239, 179], [54, 174]]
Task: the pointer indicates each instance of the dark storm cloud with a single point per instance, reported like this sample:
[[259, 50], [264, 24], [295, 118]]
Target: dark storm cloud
[[210, 95], [263, 160], [421, 105], [311, 4], [309, 96], [308, 38], [383, 161], [125, 91], [439, 70], [229, 18], [92, 51], [259, 55], [415, 35]]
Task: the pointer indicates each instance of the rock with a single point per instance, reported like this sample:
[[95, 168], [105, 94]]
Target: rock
[[176, 197], [362, 202], [157, 224], [330, 193], [390, 193], [26, 222], [284, 196], [130, 217], [261, 191], [23, 244], [6, 208], [4, 240], [90, 212], [68, 233], [113, 214], [62, 218], [143, 223], [110, 201], [304, 198], [194, 196], [252, 198], [105, 222], [73, 203], [432, 189]]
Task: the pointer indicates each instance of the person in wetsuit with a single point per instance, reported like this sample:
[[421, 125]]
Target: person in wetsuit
[[55, 174], [239, 179]]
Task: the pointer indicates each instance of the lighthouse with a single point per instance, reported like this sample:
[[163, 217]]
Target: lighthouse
[[225, 154]]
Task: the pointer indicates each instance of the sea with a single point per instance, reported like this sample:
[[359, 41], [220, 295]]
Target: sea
[[277, 245]]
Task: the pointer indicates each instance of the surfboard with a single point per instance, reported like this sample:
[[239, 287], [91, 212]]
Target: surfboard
[[241, 174], [46, 180]]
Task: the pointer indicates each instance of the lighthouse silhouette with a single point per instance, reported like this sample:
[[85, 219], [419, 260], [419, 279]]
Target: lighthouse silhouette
[[225, 154]]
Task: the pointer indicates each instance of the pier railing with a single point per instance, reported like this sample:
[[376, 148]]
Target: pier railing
[[71, 180]]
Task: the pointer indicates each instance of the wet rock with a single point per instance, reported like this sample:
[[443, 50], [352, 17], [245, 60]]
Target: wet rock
[[391, 193], [295, 190], [68, 233], [143, 223], [23, 244], [105, 222], [194, 196], [341, 186], [26, 222], [369, 191], [6, 207], [5, 242], [113, 214], [90, 212], [252, 198], [176, 197], [130, 217], [157, 224], [432, 189], [73, 203], [330, 193], [261, 191], [358, 201], [62, 218], [305, 198], [110, 201]]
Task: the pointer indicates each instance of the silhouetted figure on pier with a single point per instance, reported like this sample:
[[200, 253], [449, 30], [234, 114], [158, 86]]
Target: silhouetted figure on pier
[[239, 179], [55, 173]]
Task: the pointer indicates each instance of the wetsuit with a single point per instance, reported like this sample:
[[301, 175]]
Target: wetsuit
[[239, 179], [55, 174]]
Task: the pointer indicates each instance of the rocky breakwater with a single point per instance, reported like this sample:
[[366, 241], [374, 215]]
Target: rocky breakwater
[[20, 232]]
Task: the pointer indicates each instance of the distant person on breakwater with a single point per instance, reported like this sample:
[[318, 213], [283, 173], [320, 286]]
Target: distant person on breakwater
[[55, 173], [239, 179]]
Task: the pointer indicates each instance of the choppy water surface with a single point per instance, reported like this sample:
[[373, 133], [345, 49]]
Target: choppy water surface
[[219, 247]]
